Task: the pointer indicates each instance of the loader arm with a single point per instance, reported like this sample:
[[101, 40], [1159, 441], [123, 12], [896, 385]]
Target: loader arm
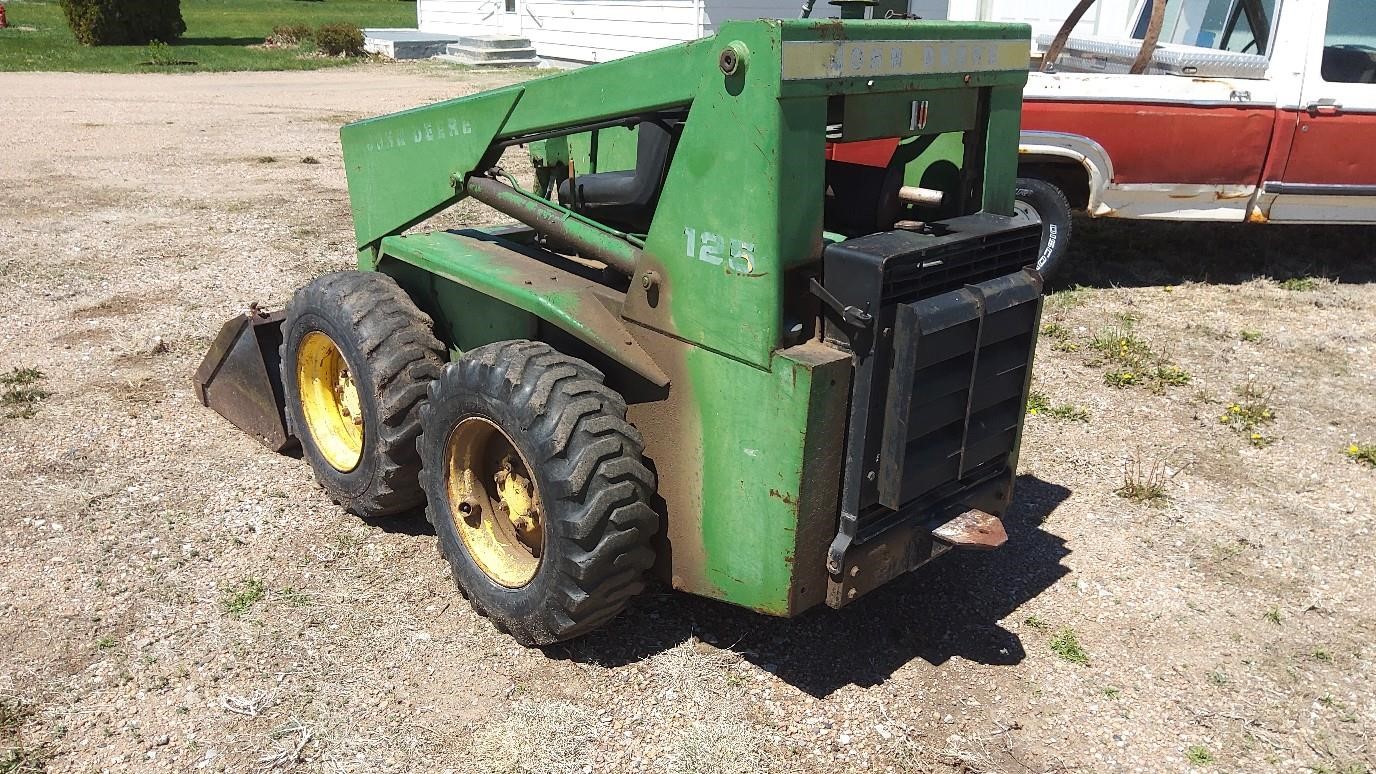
[[404, 167]]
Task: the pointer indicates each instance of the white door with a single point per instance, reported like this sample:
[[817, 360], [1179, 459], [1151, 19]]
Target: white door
[[511, 16], [1330, 175]]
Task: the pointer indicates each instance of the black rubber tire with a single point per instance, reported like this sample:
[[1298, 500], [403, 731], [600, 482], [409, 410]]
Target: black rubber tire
[[1053, 209], [586, 461], [393, 356]]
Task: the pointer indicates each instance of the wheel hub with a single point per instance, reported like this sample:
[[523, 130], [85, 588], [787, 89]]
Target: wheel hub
[[494, 502], [329, 401]]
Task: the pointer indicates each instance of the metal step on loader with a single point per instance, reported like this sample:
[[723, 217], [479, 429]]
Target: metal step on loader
[[763, 324]]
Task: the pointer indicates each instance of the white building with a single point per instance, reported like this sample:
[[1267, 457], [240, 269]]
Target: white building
[[600, 30]]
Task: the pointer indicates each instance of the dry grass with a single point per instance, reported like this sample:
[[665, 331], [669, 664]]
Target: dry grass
[[534, 737], [1145, 481]]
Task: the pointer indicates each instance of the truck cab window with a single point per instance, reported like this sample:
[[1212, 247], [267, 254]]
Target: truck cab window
[[1349, 43], [1243, 26]]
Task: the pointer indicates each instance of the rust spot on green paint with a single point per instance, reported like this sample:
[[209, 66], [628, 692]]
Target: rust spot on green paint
[[785, 497]]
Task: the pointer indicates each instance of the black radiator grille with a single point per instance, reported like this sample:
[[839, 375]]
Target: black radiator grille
[[948, 263], [942, 366]]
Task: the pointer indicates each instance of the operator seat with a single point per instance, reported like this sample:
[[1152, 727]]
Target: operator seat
[[626, 199]]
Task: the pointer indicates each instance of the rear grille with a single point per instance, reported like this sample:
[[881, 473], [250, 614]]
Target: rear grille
[[941, 368]]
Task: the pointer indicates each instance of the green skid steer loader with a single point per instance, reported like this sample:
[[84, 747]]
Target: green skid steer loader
[[762, 324]]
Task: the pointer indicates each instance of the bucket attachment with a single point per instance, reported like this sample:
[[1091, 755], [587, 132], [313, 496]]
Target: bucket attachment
[[241, 377]]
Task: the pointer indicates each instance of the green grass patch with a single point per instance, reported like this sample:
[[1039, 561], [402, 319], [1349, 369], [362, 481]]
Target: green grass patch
[[1365, 453], [1199, 755], [1249, 415], [1039, 404], [242, 596], [1035, 621], [1272, 616], [1066, 644], [20, 393], [1299, 284], [221, 35], [1250, 335]]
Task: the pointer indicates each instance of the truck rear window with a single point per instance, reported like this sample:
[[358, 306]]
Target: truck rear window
[[1243, 26]]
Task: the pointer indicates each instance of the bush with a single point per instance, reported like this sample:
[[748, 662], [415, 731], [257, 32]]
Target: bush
[[289, 35], [339, 39], [124, 22]]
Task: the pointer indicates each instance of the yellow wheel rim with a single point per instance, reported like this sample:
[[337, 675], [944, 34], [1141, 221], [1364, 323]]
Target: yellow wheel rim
[[494, 502], [329, 401]]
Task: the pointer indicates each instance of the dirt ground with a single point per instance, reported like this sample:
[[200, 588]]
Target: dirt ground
[[175, 598]]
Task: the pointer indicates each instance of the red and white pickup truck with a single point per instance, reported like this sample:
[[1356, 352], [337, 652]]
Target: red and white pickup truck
[[1249, 110]]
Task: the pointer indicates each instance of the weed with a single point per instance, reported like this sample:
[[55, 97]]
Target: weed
[[14, 712], [1121, 345], [1055, 330], [295, 597], [1066, 345], [1133, 361], [1272, 616], [242, 596], [1038, 403], [1111, 692], [1172, 376], [24, 760], [1035, 621], [1250, 413], [1121, 378], [1365, 453], [1250, 335], [1219, 677], [1144, 482], [1067, 645], [19, 393], [21, 377], [1068, 412], [266, 159], [1199, 755], [106, 642], [1322, 655], [1300, 283], [309, 160], [161, 54]]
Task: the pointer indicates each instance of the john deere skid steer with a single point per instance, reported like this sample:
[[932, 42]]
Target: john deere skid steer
[[762, 325]]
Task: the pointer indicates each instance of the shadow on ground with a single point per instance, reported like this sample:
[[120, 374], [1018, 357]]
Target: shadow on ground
[[1131, 253], [948, 608]]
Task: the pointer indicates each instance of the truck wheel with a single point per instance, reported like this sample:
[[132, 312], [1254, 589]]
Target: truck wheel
[[537, 490], [357, 358], [1041, 201]]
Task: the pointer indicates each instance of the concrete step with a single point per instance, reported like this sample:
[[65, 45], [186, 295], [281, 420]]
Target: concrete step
[[493, 41], [489, 63], [406, 43], [488, 54]]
